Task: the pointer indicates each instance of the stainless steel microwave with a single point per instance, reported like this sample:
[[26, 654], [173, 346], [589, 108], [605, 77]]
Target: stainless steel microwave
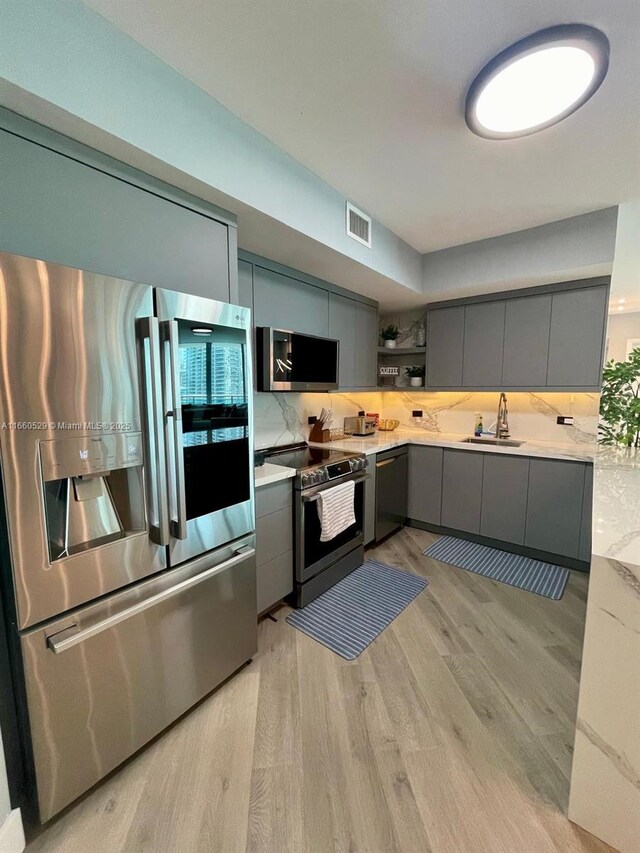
[[291, 361]]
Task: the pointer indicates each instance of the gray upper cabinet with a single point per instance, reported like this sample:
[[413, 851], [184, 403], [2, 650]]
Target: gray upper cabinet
[[445, 343], [504, 497], [462, 490], [342, 325], [526, 341], [366, 344], [483, 344], [425, 484], [287, 303], [547, 337], [59, 209], [283, 301], [554, 506], [577, 336], [245, 284]]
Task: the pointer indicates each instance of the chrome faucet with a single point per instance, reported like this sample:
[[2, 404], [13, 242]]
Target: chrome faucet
[[502, 424]]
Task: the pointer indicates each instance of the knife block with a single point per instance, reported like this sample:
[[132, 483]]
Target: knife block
[[319, 434]]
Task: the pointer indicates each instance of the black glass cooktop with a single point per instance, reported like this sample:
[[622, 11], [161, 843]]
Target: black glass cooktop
[[302, 457]]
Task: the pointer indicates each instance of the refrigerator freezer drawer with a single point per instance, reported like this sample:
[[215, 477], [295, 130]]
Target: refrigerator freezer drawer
[[105, 680]]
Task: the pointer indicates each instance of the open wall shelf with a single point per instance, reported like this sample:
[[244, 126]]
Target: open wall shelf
[[394, 351]]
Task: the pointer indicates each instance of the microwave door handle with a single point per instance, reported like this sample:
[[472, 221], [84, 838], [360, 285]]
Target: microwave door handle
[[151, 382], [174, 437]]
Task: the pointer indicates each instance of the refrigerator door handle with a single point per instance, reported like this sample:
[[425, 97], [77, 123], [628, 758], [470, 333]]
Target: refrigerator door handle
[[71, 636], [174, 437], [148, 329]]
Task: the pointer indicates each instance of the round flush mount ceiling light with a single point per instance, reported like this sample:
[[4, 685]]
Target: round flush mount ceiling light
[[537, 82]]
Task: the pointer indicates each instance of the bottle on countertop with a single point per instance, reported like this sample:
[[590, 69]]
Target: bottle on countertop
[[478, 427]]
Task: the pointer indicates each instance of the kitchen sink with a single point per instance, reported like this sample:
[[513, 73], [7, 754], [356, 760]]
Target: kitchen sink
[[501, 442]]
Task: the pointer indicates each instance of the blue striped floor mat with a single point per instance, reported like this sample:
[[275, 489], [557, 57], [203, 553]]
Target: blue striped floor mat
[[513, 569], [350, 615]]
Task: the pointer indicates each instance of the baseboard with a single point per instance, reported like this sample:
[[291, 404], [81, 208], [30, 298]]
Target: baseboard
[[544, 556], [12, 834]]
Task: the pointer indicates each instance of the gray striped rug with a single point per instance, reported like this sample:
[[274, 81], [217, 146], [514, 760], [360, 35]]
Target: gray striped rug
[[350, 615], [513, 569]]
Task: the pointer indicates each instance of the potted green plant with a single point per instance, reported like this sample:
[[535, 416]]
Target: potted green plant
[[390, 335], [620, 402], [415, 374]]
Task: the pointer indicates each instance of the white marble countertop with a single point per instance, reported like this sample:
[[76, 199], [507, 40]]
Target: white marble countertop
[[386, 440], [268, 473]]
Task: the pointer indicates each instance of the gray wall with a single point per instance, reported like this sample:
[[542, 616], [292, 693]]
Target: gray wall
[[61, 53], [620, 329], [580, 247]]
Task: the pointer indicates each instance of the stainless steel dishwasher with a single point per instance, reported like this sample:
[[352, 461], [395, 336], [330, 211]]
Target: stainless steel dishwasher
[[391, 491]]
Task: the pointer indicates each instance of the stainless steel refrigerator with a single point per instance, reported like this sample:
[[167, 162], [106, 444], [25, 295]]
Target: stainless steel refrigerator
[[127, 477]]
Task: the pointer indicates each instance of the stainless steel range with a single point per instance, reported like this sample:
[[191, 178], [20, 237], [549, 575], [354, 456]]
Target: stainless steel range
[[319, 565]]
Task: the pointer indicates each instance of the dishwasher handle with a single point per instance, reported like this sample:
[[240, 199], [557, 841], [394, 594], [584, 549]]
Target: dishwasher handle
[[71, 636], [386, 462]]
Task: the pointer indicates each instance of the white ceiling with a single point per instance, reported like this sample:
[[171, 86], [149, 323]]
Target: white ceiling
[[369, 95]]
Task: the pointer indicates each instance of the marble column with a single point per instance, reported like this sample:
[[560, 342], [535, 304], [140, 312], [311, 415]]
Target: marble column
[[605, 780]]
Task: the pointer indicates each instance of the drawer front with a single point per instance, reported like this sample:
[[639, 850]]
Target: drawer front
[[275, 580], [274, 534], [274, 497], [94, 704]]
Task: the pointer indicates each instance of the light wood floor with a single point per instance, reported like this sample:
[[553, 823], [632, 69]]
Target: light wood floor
[[451, 733]]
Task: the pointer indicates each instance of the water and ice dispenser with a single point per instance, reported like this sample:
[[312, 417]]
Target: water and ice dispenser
[[93, 491]]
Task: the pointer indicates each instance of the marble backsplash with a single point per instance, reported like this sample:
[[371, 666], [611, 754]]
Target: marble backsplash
[[282, 418]]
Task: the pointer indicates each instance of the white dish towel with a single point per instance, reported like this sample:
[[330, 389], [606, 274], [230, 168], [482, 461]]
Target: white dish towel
[[336, 510]]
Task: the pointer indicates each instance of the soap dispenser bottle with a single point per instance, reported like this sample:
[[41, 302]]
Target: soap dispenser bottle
[[479, 427]]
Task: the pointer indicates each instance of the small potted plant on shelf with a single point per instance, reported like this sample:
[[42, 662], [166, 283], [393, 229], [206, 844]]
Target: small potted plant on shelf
[[416, 375], [390, 335]]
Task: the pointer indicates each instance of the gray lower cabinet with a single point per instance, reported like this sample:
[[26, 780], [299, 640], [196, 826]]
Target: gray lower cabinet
[[584, 547], [526, 341], [286, 303], [554, 506], [483, 345], [366, 345], [445, 345], [462, 490], [576, 338], [342, 325], [504, 497], [424, 492], [274, 543], [391, 491]]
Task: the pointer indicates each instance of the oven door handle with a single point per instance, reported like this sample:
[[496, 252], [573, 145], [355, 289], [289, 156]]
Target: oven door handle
[[312, 495]]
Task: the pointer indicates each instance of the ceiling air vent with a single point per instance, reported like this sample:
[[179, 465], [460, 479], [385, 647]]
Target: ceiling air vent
[[358, 225]]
